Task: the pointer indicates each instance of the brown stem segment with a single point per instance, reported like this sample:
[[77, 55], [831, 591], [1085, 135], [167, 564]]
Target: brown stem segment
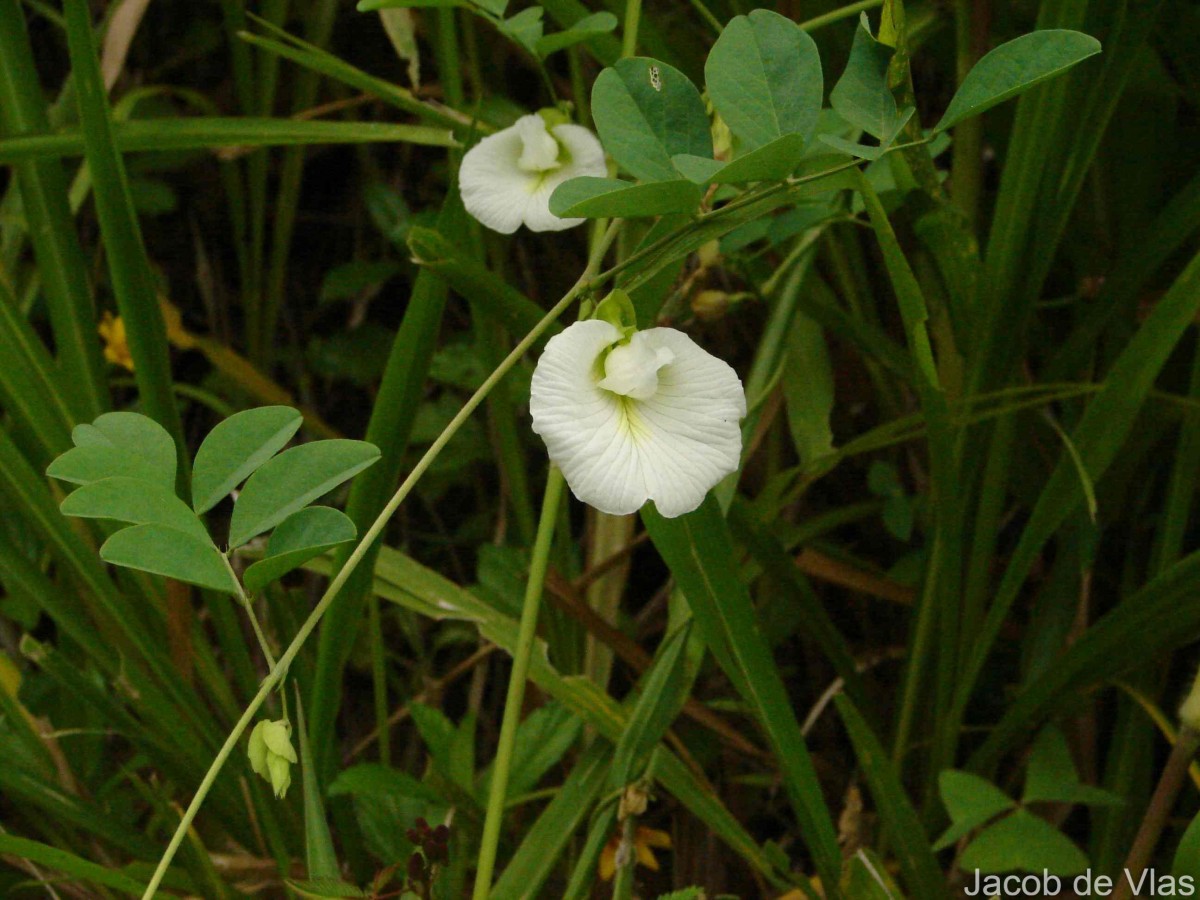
[[1160, 807]]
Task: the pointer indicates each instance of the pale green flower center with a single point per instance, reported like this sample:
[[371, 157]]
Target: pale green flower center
[[631, 370], [539, 149]]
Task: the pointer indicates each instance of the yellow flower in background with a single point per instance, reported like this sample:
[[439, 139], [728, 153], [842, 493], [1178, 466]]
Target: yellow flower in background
[[116, 343], [116, 346], [644, 840]]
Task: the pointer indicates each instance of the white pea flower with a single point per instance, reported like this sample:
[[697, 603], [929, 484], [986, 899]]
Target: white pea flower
[[507, 178], [271, 753], [655, 418]]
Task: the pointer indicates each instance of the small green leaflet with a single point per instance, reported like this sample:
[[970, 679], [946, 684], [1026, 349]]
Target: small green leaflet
[[304, 534], [592, 198], [235, 448], [1015, 67], [118, 444], [174, 554], [764, 77], [645, 113], [134, 501], [292, 480]]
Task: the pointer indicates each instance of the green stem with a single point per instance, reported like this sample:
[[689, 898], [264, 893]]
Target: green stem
[[379, 679], [249, 607], [280, 668], [633, 15], [837, 15], [967, 174], [516, 684], [626, 860]]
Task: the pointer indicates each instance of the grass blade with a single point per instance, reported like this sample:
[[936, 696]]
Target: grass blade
[[129, 268], [697, 548], [223, 134], [915, 856], [43, 189]]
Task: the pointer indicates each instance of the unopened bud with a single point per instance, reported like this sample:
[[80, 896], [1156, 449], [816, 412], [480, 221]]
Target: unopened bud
[[1189, 711], [709, 306], [271, 753]]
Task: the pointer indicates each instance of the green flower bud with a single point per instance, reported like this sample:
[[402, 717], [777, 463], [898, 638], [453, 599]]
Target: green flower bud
[[271, 753]]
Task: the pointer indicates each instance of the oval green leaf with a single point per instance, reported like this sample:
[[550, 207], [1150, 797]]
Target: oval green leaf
[[646, 112], [294, 479], [971, 801], [137, 502], [1023, 842], [1015, 67], [304, 534], [167, 551], [585, 29], [594, 198], [236, 448], [862, 96], [1187, 854], [764, 77], [118, 444], [771, 162]]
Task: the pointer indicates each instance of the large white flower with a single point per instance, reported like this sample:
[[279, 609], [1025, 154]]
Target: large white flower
[[507, 178], [652, 419]]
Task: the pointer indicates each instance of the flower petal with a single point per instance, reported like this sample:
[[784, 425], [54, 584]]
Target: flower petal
[[688, 433], [584, 156], [539, 149], [617, 452], [586, 429], [494, 189]]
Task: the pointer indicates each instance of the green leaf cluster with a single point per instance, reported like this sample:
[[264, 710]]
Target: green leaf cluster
[[1008, 835], [124, 464]]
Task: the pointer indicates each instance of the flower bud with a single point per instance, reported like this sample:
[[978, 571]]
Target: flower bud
[[709, 306], [271, 753]]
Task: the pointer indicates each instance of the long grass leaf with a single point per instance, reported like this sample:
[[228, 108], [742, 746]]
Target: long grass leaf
[[1098, 438], [697, 548], [43, 189], [129, 268], [900, 820], [400, 394], [224, 135]]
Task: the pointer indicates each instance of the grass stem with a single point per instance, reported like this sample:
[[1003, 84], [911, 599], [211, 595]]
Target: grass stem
[[516, 684]]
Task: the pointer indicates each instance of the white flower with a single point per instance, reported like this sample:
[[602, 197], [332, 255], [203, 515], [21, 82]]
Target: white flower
[[507, 178], [654, 419]]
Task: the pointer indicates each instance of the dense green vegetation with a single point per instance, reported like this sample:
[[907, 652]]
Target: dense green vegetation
[[306, 588]]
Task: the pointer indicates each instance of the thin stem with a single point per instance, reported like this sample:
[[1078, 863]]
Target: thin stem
[[249, 607], [837, 15], [966, 167], [277, 672], [1161, 804], [707, 15], [629, 35], [516, 684], [626, 860], [379, 679]]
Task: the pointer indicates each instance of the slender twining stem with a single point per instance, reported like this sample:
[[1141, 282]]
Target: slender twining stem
[[280, 668], [516, 684]]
